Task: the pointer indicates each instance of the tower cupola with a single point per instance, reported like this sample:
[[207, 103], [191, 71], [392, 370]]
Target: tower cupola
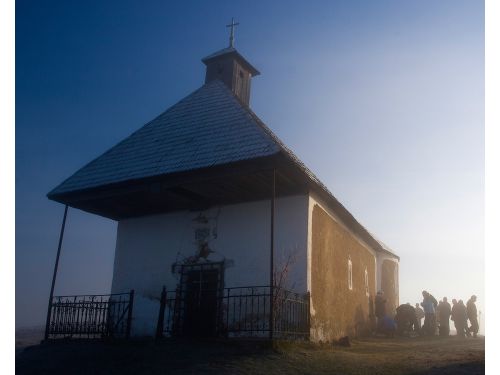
[[229, 66]]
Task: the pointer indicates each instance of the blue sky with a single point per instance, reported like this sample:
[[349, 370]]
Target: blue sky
[[383, 100]]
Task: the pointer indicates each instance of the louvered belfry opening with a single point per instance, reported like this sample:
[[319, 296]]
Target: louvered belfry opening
[[230, 67]]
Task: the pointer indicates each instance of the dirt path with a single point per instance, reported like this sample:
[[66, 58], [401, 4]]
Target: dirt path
[[369, 356]]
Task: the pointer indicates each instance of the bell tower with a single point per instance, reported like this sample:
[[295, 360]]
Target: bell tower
[[229, 66]]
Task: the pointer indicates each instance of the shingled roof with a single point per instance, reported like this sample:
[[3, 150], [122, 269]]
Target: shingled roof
[[209, 127]]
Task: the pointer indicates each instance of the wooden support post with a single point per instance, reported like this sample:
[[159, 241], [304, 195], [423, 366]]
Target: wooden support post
[[54, 275], [271, 276], [161, 315]]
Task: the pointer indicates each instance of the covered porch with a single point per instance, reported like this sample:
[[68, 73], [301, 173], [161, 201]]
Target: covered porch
[[267, 310]]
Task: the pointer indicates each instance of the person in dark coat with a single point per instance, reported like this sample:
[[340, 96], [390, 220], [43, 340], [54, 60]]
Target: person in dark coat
[[459, 316], [437, 314], [444, 317], [406, 319], [472, 315], [380, 308], [429, 305]]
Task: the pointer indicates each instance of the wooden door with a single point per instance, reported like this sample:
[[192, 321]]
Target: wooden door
[[202, 286]]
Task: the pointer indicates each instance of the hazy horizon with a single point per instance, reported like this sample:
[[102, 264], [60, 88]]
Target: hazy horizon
[[383, 101]]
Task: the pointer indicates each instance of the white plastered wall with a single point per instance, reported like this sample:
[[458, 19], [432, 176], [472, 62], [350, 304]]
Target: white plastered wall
[[147, 247]]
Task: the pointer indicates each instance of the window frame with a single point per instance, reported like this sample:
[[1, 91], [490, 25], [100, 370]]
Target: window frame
[[349, 273]]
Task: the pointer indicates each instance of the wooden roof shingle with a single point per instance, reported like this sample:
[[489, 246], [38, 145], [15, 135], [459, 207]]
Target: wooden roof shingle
[[209, 127]]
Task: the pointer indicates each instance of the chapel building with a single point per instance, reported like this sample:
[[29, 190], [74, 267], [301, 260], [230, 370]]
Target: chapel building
[[208, 201]]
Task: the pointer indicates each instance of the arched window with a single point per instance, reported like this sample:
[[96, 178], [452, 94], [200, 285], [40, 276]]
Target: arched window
[[349, 273]]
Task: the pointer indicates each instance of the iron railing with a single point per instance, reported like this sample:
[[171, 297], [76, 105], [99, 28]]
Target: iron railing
[[90, 316], [292, 314], [243, 312]]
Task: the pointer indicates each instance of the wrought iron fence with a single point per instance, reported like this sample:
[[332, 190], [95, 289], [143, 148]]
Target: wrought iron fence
[[90, 316], [243, 312], [169, 315], [292, 314]]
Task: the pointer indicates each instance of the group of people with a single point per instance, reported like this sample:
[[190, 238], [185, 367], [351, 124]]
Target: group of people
[[436, 317]]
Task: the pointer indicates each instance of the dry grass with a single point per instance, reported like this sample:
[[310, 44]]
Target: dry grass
[[368, 356]]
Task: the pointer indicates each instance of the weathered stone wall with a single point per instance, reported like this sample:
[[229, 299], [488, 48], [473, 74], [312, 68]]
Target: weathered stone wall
[[336, 310], [389, 285]]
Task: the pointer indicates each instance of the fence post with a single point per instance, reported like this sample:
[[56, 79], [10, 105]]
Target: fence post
[[109, 317], [227, 313], [161, 315], [129, 317]]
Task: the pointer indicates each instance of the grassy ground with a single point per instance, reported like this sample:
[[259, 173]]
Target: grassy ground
[[368, 356]]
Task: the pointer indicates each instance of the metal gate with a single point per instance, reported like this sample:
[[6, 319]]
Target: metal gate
[[90, 316]]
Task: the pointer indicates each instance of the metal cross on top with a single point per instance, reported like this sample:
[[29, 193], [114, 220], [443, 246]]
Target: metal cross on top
[[231, 37]]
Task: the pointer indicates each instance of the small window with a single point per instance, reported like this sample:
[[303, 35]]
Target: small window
[[367, 290], [349, 273], [241, 74]]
